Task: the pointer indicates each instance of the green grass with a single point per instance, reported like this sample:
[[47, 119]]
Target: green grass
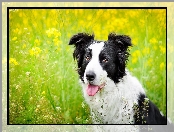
[[44, 86]]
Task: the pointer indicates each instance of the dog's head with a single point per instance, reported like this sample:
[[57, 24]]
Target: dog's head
[[100, 60]]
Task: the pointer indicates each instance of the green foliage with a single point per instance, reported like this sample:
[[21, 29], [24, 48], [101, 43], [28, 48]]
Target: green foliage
[[43, 85]]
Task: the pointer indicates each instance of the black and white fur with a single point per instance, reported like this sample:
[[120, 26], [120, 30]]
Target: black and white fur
[[118, 97]]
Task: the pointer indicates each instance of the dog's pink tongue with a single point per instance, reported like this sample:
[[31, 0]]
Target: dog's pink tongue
[[92, 90]]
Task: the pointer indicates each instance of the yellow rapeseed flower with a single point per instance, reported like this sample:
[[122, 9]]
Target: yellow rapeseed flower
[[58, 49], [142, 22], [76, 12], [133, 13], [162, 66], [16, 30], [136, 53], [81, 11], [149, 62], [81, 22], [162, 49], [14, 38], [43, 93], [37, 42], [53, 32], [24, 46], [106, 15], [57, 34], [97, 30], [153, 41], [25, 21], [35, 51], [55, 40], [68, 35], [99, 13], [13, 61], [20, 14], [135, 41], [89, 17], [67, 12], [134, 60], [54, 12], [49, 32]]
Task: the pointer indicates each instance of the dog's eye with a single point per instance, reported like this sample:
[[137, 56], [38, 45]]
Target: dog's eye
[[87, 58], [105, 60]]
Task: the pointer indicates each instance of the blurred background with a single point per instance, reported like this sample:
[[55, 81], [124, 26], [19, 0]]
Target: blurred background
[[43, 82]]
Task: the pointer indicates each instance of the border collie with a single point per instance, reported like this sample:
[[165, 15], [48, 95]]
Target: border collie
[[113, 94]]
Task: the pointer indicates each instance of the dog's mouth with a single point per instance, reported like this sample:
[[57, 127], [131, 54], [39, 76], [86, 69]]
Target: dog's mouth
[[93, 89]]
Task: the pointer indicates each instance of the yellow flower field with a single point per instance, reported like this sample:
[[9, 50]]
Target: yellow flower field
[[43, 82]]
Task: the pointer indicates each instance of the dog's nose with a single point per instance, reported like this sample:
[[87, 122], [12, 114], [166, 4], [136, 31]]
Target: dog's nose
[[90, 76]]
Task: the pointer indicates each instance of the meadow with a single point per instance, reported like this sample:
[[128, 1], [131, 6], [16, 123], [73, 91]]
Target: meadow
[[43, 82]]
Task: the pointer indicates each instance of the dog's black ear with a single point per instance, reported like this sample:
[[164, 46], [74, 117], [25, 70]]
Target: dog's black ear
[[81, 38], [121, 44], [122, 41]]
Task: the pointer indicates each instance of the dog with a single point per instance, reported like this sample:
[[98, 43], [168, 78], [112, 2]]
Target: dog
[[112, 93]]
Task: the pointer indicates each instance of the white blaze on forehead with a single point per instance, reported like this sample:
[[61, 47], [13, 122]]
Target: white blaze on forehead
[[94, 64], [96, 48]]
